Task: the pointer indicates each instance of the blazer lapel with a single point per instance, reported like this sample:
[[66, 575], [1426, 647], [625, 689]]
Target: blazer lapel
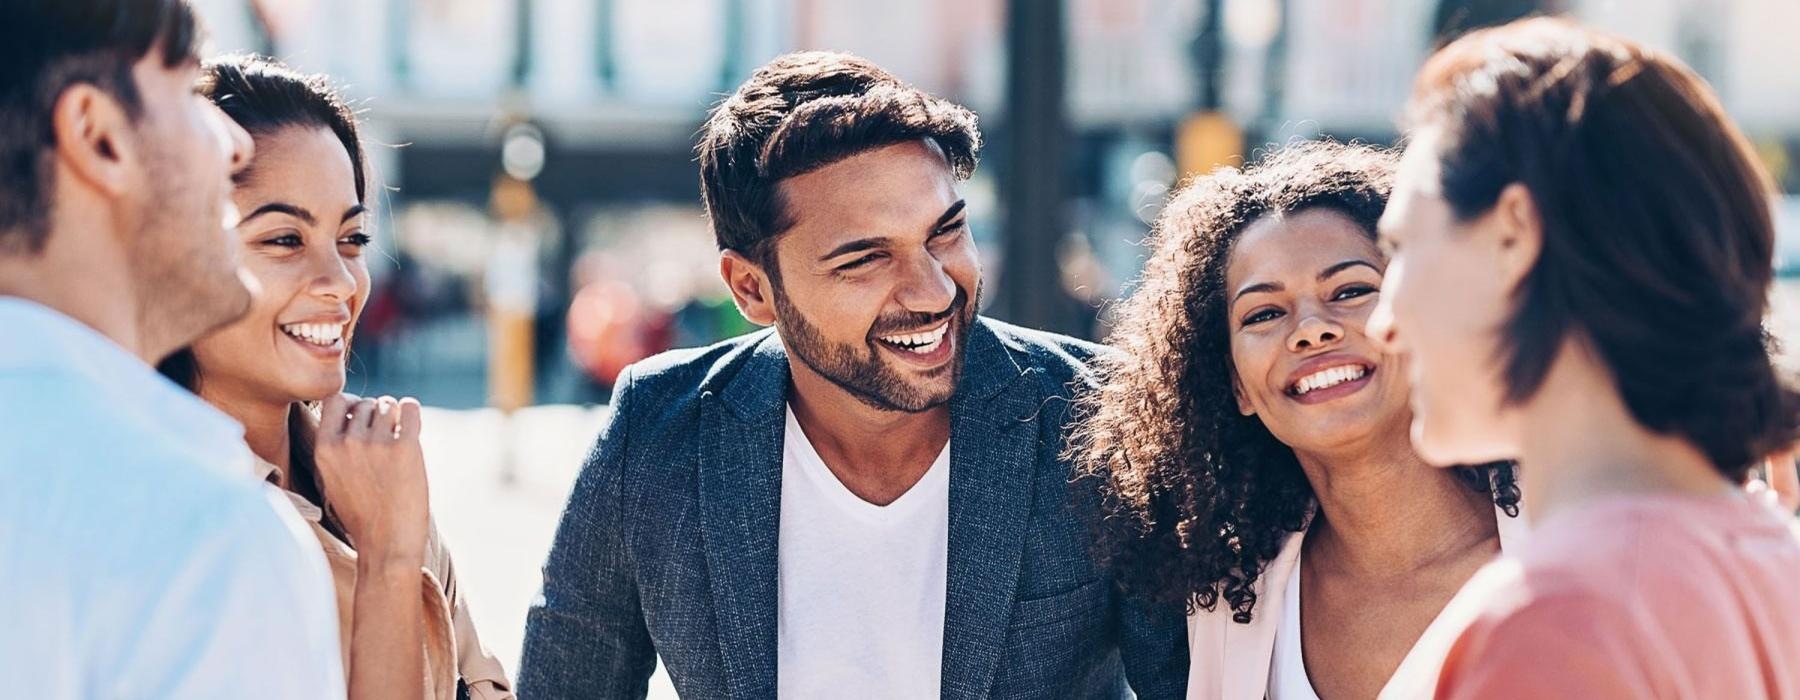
[[741, 430], [993, 459]]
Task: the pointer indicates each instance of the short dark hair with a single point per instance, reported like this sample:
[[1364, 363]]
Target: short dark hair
[[1195, 498], [48, 46], [801, 112], [1658, 235], [264, 95]]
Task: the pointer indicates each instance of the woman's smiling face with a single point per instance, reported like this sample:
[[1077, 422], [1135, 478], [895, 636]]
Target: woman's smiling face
[[303, 240], [1299, 290]]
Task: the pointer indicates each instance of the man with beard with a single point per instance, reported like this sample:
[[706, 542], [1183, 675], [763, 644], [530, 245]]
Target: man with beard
[[867, 500]]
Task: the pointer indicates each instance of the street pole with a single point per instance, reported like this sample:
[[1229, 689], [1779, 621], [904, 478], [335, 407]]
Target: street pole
[[1209, 56], [1208, 137], [1034, 176]]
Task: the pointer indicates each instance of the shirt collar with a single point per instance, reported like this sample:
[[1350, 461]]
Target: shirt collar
[[267, 471], [60, 344]]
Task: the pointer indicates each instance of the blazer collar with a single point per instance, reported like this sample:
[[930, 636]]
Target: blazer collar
[[993, 463]]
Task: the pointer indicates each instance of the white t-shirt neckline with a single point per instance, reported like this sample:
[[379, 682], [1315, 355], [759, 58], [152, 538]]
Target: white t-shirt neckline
[[833, 489], [861, 587]]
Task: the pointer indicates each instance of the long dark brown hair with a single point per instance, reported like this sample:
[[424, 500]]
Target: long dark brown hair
[[1196, 498], [264, 96]]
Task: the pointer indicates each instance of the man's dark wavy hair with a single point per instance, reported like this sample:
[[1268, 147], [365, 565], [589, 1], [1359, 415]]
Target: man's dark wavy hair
[[1196, 498], [801, 112]]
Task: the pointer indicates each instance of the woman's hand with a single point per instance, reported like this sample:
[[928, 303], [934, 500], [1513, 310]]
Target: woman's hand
[[372, 472]]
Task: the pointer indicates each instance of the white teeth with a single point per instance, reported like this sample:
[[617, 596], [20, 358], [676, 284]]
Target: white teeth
[[922, 343], [927, 348], [322, 334], [1325, 379]]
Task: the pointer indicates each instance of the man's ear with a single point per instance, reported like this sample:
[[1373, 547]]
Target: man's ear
[[750, 287], [95, 143]]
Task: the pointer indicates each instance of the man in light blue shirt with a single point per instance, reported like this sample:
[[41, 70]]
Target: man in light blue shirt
[[139, 555]]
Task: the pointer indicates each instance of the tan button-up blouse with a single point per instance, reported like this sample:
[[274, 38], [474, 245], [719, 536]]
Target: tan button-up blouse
[[452, 649]]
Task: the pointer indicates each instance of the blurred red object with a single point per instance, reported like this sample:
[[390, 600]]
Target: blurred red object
[[609, 328]]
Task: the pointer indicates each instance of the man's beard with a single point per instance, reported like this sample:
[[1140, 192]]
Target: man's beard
[[861, 371], [188, 283]]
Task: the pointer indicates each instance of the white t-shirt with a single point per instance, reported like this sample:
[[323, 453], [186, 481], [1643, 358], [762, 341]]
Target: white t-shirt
[[862, 585]]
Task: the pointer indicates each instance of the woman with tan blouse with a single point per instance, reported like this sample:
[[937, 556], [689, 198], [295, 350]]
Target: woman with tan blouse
[[351, 466]]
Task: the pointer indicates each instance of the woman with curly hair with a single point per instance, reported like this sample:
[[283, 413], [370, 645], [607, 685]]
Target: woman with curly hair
[[1250, 445]]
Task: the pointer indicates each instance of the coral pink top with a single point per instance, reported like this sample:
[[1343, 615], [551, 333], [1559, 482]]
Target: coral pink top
[[1637, 596]]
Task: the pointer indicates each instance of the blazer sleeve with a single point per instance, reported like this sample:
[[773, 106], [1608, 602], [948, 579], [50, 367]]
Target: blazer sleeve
[[1153, 648], [585, 635]]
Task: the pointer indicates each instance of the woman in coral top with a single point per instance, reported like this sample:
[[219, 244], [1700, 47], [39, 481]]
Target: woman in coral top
[[1581, 254]]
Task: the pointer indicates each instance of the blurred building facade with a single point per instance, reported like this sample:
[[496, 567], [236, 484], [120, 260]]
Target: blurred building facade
[[595, 104]]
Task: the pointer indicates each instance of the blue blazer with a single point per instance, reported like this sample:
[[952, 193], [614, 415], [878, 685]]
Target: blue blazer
[[668, 545]]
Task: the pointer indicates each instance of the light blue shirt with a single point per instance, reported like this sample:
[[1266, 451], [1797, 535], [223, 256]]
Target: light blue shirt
[[139, 555]]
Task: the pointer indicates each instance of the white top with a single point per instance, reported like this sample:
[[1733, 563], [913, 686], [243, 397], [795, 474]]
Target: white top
[[1287, 667], [862, 585], [1229, 660], [139, 555]]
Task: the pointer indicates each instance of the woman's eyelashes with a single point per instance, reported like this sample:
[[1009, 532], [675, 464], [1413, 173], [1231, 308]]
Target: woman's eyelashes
[[285, 239], [1354, 291], [1262, 315], [1346, 293], [292, 240]]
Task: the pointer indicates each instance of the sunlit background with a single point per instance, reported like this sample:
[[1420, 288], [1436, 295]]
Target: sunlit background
[[540, 224]]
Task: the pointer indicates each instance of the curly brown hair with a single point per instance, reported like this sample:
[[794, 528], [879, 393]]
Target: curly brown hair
[[1195, 498]]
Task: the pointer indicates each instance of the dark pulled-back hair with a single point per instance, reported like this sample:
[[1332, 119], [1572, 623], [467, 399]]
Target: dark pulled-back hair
[[48, 46], [1196, 498], [801, 112], [265, 96], [1658, 232]]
